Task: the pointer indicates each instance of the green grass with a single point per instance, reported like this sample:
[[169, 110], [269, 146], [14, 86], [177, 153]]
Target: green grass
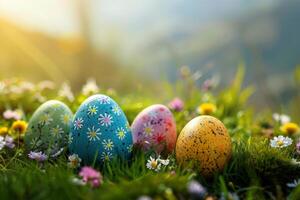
[[255, 171]]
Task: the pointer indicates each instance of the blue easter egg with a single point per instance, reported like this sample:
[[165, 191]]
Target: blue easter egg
[[100, 131]]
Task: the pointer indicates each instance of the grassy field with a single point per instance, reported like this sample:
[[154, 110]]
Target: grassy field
[[257, 170]]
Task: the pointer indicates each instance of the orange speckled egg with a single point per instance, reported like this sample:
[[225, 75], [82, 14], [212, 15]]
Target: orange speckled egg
[[205, 141]]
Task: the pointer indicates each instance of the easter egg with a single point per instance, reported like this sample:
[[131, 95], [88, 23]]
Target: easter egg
[[49, 127], [155, 128], [100, 131], [204, 140]]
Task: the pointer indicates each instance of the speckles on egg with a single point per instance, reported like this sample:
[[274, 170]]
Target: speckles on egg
[[205, 140], [100, 131], [49, 128], [155, 128]]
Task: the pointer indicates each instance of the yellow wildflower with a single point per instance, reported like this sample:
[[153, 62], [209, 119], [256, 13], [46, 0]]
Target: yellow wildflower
[[207, 108], [290, 128], [19, 127], [3, 131]]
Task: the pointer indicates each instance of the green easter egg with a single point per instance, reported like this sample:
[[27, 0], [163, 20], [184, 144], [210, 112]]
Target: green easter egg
[[49, 127]]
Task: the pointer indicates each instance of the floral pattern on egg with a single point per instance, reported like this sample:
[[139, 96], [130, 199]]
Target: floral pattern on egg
[[155, 128], [100, 131], [49, 128]]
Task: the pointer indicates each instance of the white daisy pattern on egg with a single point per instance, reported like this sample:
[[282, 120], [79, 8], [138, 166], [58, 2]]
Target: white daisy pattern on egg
[[93, 134], [108, 144], [46, 119], [116, 110], [121, 133], [78, 124], [105, 120], [57, 131], [92, 110], [104, 100], [106, 156], [148, 129]]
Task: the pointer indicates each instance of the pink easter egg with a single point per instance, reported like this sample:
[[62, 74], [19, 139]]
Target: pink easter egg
[[155, 128]]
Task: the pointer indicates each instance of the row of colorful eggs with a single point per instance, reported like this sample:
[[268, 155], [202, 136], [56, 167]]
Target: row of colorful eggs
[[99, 131]]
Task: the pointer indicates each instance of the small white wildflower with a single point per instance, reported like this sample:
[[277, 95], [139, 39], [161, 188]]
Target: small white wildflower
[[90, 87], [27, 86], [164, 162], [77, 181], [153, 164], [2, 86], [9, 142], [66, 92], [74, 161], [144, 197], [2, 142], [46, 85], [13, 114], [295, 162], [281, 118], [16, 89], [294, 184], [39, 97], [281, 142]]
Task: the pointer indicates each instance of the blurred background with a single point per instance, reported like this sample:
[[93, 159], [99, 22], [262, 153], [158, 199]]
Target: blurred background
[[126, 44]]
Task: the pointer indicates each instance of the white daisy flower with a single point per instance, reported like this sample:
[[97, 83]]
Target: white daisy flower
[[116, 110], [45, 119], [108, 144], [148, 130], [93, 134], [57, 131], [121, 133], [78, 124], [92, 110], [74, 161], [294, 184], [280, 142], [153, 164], [281, 118], [104, 100], [164, 162], [105, 120], [106, 156]]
